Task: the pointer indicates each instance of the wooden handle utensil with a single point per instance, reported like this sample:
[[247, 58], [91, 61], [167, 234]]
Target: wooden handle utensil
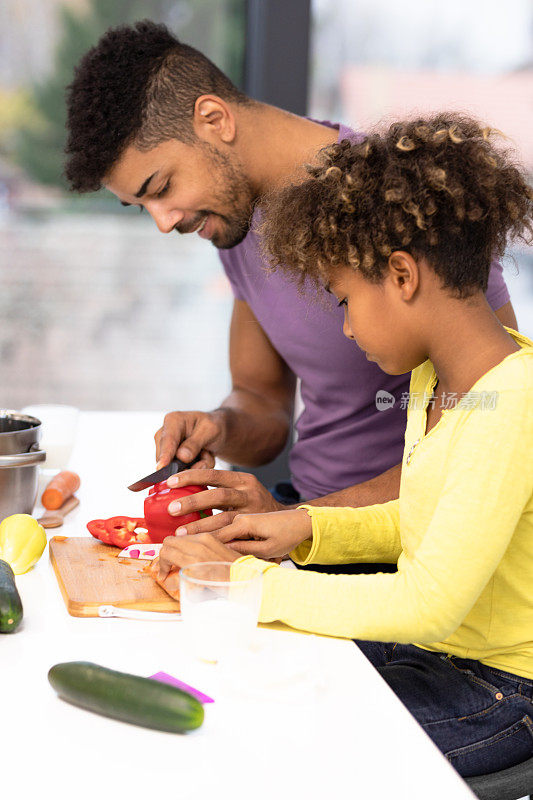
[[54, 519]]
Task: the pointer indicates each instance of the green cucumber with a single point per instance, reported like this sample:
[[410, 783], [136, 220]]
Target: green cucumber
[[10, 604], [130, 698]]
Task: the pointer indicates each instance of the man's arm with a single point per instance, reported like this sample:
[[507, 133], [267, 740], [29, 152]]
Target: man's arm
[[241, 493], [258, 412], [380, 489], [250, 427]]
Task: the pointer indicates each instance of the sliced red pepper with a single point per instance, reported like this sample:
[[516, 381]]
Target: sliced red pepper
[[121, 531], [98, 529]]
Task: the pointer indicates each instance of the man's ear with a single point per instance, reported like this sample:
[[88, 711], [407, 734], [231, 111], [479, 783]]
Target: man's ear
[[403, 271], [213, 120]]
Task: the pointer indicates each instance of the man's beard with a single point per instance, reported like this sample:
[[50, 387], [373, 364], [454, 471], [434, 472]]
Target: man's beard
[[236, 198]]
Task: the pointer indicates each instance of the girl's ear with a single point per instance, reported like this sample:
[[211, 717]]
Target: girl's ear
[[404, 273]]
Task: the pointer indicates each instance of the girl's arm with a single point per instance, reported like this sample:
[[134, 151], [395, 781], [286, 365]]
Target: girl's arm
[[484, 491], [352, 535], [318, 535]]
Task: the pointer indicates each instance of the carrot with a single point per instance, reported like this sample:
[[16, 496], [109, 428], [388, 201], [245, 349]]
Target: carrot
[[61, 487]]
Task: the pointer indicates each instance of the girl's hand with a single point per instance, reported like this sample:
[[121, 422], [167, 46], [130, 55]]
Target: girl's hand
[[180, 551], [267, 535]]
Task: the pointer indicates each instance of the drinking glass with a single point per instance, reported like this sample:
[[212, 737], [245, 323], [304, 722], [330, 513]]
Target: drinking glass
[[219, 612]]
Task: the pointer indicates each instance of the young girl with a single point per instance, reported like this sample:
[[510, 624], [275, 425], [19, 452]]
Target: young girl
[[402, 228]]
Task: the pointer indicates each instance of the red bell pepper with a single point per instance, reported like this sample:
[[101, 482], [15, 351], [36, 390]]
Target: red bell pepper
[[119, 531], [158, 523], [122, 531]]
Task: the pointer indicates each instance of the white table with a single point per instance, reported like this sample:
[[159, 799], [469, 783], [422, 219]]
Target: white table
[[347, 736]]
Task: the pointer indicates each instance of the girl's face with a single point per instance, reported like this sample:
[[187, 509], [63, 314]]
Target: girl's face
[[380, 317]]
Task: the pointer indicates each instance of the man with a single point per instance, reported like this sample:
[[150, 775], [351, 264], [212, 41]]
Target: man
[[162, 128]]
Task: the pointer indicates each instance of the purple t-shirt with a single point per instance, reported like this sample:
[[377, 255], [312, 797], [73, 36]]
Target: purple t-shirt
[[343, 438]]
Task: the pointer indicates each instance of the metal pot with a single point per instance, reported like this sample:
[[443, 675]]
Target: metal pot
[[19, 457]]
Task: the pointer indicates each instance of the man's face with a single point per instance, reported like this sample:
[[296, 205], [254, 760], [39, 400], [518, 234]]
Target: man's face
[[187, 188]]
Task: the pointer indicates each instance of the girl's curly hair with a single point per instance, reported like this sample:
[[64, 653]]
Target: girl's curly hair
[[437, 188]]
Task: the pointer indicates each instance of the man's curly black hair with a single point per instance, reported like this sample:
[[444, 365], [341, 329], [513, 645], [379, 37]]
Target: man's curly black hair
[[139, 85]]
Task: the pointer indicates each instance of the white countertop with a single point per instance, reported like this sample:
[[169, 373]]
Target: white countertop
[[339, 732]]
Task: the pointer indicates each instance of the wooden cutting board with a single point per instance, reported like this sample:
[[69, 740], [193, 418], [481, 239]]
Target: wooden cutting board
[[90, 575]]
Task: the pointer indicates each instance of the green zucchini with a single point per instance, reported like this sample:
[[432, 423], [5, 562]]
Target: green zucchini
[[10, 604], [130, 698]]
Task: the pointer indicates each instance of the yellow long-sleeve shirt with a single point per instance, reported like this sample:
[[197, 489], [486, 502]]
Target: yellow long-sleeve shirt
[[461, 534]]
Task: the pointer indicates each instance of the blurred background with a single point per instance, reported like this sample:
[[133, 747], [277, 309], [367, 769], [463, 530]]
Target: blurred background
[[100, 310]]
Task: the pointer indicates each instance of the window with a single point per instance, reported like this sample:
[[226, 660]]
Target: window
[[99, 309], [375, 60]]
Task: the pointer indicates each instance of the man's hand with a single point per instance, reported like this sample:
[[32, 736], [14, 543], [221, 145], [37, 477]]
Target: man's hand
[[187, 434], [267, 535], [180, 551], [235, 493]]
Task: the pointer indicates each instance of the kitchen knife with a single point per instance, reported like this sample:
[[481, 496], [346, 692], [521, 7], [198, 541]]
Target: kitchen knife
[[162, 474]]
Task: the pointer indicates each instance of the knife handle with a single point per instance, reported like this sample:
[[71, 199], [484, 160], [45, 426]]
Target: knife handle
[[183, 465]]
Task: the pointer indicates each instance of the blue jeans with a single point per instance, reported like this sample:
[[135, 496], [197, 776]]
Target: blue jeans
[[284, 492], [480, 718]]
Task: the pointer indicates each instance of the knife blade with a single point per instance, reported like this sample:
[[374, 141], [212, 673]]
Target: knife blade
[[162, 474]]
